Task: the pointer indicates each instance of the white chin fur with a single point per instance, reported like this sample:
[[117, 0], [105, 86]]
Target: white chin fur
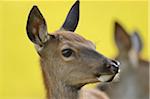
[[104, 78], [116, 78]]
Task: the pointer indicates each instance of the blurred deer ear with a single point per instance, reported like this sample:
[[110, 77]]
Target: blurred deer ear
[[72, 19], [36, 27], [136, 42], [122, 38]]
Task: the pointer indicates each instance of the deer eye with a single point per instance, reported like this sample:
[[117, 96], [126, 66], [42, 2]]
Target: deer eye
[[67, 52]]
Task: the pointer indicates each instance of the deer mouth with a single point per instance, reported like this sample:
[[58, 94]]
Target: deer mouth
[[105, 78], [108, 78]]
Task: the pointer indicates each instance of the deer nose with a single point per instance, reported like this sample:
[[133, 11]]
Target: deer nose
[[114, 66]]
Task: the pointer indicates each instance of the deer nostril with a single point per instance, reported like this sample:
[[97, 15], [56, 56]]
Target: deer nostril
[[114, 66], [116, 63]]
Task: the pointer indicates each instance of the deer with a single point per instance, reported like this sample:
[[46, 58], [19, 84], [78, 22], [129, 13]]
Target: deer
[[93, 93], [133, 80], [68, 61]]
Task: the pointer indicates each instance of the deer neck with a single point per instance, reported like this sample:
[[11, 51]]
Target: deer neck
[[56, 87]]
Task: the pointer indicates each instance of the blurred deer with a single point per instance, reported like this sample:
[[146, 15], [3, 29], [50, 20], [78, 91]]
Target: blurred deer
[[134, 74], [68, 61], [93, 94]]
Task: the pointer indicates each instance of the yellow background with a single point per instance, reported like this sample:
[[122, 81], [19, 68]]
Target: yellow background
[[20, 75]]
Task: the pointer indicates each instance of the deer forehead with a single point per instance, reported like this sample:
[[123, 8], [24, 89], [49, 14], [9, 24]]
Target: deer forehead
[[73, 38]]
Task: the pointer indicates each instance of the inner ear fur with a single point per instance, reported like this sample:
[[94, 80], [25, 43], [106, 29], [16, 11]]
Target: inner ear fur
[[36, 27]]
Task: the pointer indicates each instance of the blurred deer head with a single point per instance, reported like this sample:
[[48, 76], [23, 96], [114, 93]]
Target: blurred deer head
[[134, 72], [68, 60]]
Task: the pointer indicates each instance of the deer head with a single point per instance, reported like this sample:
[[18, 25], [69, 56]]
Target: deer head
[[129, 46], [134, 71], [66, 56]]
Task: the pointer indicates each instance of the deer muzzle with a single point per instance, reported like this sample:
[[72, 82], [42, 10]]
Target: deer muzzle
[[112, 69]]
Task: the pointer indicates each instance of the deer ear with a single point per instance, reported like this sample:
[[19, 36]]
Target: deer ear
[[122, 38], [72, 19], [136, 42], [36, 27]]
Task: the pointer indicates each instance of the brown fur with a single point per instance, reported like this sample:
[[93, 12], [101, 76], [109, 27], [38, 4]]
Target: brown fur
[[77, 42], [68, 61]]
